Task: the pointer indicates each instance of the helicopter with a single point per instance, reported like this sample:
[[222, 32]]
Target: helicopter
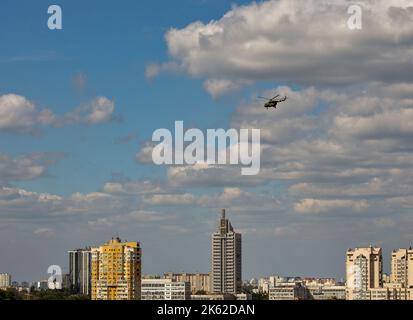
[[273, 102]]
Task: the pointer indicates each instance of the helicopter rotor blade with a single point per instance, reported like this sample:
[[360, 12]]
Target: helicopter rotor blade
[[264, 98]]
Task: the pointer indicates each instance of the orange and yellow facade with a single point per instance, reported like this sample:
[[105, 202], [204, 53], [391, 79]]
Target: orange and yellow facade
[[116, 271]]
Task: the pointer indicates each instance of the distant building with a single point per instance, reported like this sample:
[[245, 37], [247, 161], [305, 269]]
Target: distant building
[[288, 291], [391, 291], [364, 271], [226, 274], [326, 292], [80, 269], [319, 282], [198, 281], [116, 271], [243, 296], [5, 280], [151, 276], [402, 267], [42, 285], [264, 285], [165, 289], [365, 278], [386, 278], [213, 296], [66, 281]]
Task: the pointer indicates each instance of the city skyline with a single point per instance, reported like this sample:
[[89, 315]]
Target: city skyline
[[78, 107], [226, 239], [113, 272]]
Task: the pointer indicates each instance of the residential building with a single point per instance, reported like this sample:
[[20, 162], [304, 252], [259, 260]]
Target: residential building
[[80, 268], [364, 271], [402, 267], [198, 281], [319, 282], [5, 280], [264, 285], [326, 292], [288, 291], [116, 271], [226, 274], [165, 289]]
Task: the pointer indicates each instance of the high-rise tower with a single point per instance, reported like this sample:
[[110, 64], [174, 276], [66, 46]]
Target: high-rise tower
[[80, 265], [226, 276], [364, 269], [116, 271]]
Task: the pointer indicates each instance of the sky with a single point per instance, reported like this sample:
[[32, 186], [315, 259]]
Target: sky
[[78, 107]]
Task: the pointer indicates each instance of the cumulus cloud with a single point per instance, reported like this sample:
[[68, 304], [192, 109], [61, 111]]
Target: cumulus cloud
[[134, 187], [18, 204], [282, 40], [144, 155], [26, 167], [228, 197], [219, 87], [18, 114], [96, 111], [328, 165], [152, 70], [22, 205], [323, 206], [170, 199]]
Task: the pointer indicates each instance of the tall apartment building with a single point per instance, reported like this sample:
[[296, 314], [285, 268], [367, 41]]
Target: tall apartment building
[[198, 281], [116, 271], [80, 268], [165, 289], [402, 267], [226, 258], [364, 271], [5, 280]]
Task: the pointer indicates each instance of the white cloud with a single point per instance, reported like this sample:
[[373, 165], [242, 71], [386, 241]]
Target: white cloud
[[96, 111], [134, 187], [18, 114], [284, 40], [219, 87], [144, 155], [152, 70], [22, 168], [170, 199], [327, 165], [326, 206]]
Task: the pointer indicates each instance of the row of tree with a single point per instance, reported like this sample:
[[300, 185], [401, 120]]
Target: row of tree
[[12, 294]]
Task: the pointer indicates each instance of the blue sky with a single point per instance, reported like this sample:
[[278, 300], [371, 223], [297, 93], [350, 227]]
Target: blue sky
[[111, 45], [78, 107]]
